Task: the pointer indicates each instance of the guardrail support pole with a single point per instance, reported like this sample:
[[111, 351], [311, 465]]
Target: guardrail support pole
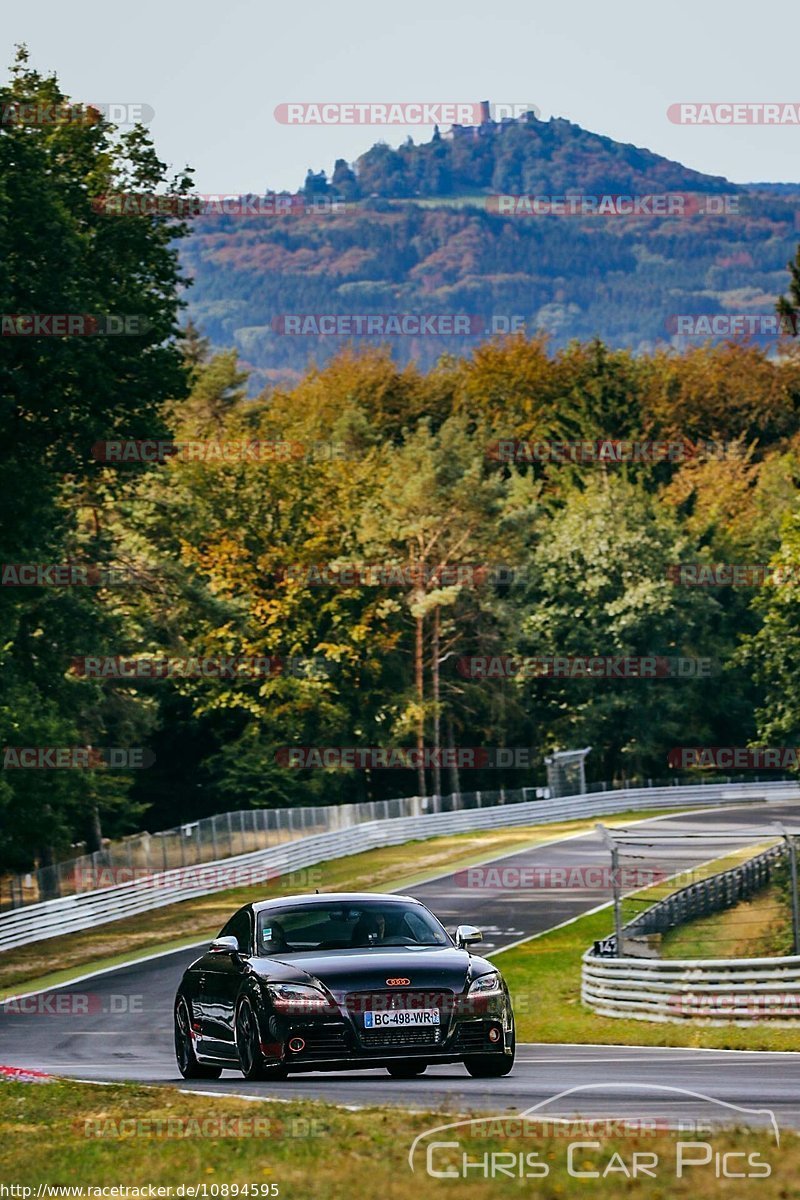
[[612, 846], [792, 849]]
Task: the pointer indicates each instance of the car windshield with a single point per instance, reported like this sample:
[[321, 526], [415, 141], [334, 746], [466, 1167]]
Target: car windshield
[[337, 926]]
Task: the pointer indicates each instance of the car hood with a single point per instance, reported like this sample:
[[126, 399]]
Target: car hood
[[367, 969]]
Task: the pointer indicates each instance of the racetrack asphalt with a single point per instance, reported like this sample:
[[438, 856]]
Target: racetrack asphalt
[[118, 1025]]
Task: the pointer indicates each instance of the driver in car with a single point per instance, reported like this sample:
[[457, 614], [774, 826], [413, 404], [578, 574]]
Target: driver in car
[[370, 928]]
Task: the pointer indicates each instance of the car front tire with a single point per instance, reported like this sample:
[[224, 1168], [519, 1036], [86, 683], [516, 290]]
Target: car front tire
[[188, 1065], [248, 1046]]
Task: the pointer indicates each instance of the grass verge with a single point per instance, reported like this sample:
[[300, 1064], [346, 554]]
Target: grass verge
[[757, 928], [53, 961], [132, 1136]]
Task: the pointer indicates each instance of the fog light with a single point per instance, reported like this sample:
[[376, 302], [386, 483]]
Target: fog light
[[296, 1044], [494, 1034]]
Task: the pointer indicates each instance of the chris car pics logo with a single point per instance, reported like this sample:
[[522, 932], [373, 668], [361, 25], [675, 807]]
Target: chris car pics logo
[[534, 1144]]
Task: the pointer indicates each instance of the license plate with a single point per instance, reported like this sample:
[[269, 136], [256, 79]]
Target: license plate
[[403, 1017]]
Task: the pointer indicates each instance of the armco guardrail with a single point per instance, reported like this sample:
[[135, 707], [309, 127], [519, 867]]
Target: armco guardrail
[[53, 918], [743, 990]]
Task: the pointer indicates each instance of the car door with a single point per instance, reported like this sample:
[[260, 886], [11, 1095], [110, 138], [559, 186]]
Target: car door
[[193, 986], [222, 975]]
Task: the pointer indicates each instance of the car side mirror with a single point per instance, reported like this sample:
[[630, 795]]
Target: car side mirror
[[467, 935], [225, 945]]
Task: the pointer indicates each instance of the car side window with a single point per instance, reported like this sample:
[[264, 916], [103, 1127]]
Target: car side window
[[239, 927]]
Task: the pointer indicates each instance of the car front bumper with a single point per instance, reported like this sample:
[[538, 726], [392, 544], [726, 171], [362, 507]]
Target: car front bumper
[[305, 1043]]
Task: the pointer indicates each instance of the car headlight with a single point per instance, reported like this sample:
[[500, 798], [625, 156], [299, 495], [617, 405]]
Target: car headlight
[[486, 985], [297, 997]]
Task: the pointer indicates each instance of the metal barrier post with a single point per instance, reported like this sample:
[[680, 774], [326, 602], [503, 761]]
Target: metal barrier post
[[792, 849], [612, 846]]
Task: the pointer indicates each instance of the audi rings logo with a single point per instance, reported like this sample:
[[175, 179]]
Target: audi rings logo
[[399, 982]]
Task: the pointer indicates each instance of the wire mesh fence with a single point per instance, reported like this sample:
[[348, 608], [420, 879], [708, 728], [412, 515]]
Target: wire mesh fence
[[226, 835], [707, 897], [668, 903]]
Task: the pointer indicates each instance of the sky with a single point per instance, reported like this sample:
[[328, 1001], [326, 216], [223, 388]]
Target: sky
[[214, 73]]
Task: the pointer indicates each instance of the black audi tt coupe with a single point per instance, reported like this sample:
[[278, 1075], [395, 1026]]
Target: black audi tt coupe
[[341, 981]]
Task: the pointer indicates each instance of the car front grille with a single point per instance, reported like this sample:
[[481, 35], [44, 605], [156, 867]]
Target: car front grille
[[428, 1035]]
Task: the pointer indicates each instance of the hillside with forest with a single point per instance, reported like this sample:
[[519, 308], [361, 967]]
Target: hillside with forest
[[416, 230], [522, 155]]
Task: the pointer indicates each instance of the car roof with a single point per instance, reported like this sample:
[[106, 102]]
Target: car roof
[[326, 898]]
